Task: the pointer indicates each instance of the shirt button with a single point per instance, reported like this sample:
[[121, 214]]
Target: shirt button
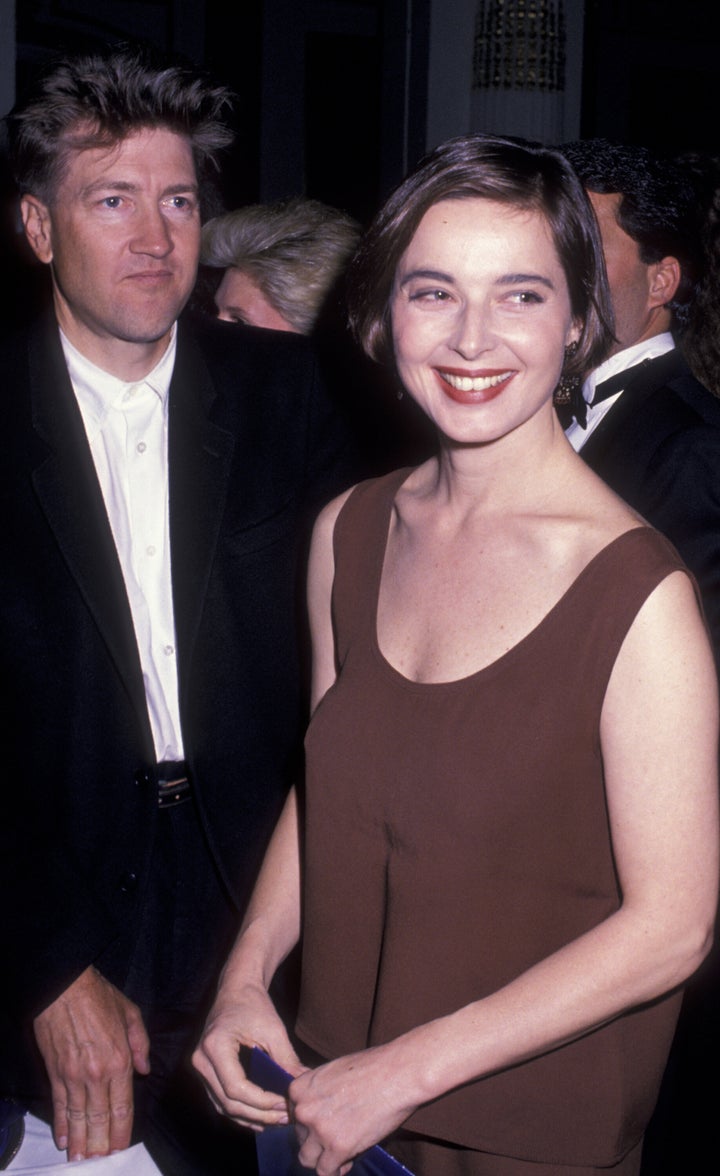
[[169, 650], [150, 550], [141, 447]]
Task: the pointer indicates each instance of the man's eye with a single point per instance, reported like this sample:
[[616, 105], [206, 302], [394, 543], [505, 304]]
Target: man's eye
[[181, 203], [112, 201]]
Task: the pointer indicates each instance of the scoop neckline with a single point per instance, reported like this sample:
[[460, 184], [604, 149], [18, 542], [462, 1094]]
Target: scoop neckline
[[510, 654]]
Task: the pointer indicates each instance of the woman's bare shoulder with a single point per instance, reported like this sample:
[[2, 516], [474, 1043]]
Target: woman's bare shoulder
[[599, 513]]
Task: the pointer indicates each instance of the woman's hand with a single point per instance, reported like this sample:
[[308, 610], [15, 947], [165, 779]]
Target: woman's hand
[[346, 1106], [244, 1017]]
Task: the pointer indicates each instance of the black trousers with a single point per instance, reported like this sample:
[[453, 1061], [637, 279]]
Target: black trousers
[[187, 927]]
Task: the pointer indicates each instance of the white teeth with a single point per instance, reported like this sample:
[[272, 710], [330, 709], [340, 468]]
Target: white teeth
[[473, 383]]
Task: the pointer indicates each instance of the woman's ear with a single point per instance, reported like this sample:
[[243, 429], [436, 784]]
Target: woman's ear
[[574, 333], [38, 227]]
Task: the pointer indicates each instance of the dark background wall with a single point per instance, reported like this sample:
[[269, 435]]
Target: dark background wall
[[337, 98], [650, 72], [333, 94]]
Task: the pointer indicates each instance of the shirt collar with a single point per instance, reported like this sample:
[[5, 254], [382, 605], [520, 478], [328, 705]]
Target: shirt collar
[[627, 358], [98, 390]]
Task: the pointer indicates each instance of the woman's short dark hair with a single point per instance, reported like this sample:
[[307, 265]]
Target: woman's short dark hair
[[97, 99], [510, 171]]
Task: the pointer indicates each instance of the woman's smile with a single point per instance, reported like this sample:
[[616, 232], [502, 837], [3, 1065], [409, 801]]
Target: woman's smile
[[472, 387]]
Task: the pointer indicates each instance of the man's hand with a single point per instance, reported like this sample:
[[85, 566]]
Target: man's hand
[[91, 1039]]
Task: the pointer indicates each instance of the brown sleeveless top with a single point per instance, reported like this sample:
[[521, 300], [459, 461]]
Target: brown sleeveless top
[[457, 833]]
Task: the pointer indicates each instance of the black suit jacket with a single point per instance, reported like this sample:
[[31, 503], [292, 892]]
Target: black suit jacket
[[254, 450], [658, 447]]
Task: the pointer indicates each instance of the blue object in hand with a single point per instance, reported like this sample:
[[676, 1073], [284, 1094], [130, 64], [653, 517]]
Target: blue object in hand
[[277, 1147]]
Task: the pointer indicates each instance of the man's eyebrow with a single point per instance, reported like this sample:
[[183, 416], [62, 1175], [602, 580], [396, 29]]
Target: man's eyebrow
[[110, 185], [182, 189]]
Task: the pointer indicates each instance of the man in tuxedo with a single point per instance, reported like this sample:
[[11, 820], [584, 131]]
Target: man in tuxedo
[[158, 477], [642, 420], [652, 431]]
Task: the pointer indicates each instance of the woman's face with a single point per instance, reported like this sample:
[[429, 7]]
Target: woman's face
[[481, 317], [239, 299]]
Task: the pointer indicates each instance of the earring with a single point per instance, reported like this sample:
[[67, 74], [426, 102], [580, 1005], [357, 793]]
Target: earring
[[567, 385]]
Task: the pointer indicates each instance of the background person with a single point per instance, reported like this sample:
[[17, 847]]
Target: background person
[[509, 828], [284, 268], [656, 440], [701, 335], [644, 422], [280, 262]]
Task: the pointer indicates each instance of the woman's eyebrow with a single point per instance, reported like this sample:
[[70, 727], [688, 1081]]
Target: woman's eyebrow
[[502, 280], [427, 275], [518, 279]]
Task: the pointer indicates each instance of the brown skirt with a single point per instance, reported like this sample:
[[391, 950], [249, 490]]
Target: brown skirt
[[432, 1157]]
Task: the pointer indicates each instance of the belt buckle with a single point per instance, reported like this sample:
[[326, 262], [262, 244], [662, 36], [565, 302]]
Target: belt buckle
[[172, 792]]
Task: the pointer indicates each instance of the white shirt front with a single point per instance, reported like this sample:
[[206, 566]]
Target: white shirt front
[[127, 430], [629, 357]]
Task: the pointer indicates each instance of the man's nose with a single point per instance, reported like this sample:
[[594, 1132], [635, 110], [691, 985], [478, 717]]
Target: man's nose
[[152, 234]]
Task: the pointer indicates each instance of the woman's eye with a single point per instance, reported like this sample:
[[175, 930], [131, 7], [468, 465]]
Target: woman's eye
[[430, 296]]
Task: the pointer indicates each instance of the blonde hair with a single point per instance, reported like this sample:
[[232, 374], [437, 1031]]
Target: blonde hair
[[294, 250]]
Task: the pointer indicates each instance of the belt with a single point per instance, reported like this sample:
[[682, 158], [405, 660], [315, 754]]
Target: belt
[[173, 783]]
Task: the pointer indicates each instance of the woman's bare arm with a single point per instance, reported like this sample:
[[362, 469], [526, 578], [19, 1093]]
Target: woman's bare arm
[[243, 1014], [659, 742]]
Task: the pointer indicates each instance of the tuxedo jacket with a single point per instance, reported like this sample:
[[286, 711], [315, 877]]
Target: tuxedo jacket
[[658, 447], [254, 450]]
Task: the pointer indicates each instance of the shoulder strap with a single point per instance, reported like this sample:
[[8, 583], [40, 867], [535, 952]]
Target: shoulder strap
[[600, 608], [359, 542]]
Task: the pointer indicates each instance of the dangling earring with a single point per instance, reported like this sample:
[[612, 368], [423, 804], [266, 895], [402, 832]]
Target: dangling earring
[[568, 385]]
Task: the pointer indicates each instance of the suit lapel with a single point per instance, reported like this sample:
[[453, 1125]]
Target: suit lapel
[[641, 385], [200, 455], [69, 494]]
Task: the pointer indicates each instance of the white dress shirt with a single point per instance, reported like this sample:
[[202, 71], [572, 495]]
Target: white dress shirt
[[127, 430], [629, 357]]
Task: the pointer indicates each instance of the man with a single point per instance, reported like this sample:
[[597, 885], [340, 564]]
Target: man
[[652, 431], [157, 479], [643, 422]]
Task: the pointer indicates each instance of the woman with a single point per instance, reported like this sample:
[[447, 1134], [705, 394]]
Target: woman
[[281, 262], [509, 833]]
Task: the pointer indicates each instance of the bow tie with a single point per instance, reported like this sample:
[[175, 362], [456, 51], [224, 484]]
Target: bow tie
[[604, 390]]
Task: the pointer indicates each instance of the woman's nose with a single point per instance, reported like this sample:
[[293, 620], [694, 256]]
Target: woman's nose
[[474, 333]]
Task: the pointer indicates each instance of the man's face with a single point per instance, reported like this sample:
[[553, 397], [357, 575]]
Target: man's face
[[122, 234], [639, 308]]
